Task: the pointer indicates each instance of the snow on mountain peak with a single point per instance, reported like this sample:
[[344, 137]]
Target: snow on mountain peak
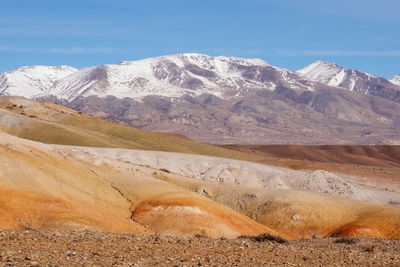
[[361, 82], [198, 59], [170, 76], [326, 72], [182, 74], [396, 80], [32, 81]]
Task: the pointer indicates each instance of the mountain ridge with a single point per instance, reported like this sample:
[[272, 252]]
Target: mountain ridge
[[354, 80], [169, 76], [232, 100], [222, 76]]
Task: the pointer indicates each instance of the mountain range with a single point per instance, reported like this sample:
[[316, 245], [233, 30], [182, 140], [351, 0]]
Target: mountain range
[[225, 99]]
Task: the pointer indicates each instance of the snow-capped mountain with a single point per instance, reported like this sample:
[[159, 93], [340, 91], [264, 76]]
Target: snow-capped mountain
[[224, 99], [355, 80], [175, 76], [396, 80], [184, 74], [32, 81]]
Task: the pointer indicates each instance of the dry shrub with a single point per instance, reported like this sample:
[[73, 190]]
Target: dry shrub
[[369, 249], [266, 238], [345, 240]]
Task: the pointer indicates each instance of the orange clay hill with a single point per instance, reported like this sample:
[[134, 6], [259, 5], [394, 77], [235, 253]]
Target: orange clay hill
[[44, 186]]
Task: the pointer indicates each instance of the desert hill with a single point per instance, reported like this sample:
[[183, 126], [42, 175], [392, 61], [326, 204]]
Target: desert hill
[[63, 187], [46, 188]]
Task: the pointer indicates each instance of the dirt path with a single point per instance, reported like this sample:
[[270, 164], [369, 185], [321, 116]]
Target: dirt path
[[34, 248]]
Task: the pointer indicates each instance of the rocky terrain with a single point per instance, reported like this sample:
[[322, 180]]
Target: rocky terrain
[[329, 116], [55, 248], [225, 100]]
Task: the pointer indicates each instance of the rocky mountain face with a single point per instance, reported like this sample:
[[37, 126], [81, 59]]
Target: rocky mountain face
[[264, 117], [361, 82], [234, 100]]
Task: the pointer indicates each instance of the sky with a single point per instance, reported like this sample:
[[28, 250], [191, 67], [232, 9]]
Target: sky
[[359, 34]]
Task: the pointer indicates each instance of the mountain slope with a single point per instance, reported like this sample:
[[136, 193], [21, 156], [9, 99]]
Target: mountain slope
[[361, 82], [32, 81], [325, 116], [55, 124]]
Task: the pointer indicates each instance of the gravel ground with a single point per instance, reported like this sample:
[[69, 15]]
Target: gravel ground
[[54, 248]]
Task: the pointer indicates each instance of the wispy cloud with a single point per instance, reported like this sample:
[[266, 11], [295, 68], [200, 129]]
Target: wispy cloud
[[69, 50], [349, 53], [237, 51], [83, 50]]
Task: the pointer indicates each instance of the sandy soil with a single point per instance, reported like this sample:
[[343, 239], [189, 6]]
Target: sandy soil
[[54, 248]]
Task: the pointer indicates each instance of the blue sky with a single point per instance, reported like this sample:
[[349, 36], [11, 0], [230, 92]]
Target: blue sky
[[288, 33]]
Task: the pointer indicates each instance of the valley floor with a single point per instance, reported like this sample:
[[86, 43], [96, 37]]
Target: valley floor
[[83, 248]]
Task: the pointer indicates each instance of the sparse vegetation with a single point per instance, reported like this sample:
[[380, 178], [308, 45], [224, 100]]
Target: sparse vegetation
[[345, 240], [199, 235], [369, 249], [26, 226], [266, 238]]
